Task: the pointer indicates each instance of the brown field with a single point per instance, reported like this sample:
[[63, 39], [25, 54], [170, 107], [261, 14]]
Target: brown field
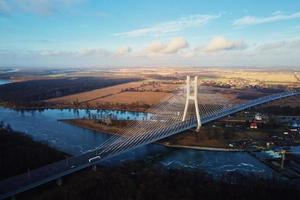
[[221, 74], [150, 98], [219, 85], [90, 95], [269, 77], [143, 92]]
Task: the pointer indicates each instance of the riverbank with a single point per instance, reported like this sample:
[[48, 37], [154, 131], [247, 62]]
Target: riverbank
[[43, 106], [186, 140], [5, 81], [20, 153], [202, 148], [94, 126], [210, 137]]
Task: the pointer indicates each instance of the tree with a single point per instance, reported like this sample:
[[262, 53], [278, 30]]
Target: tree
[[8, 128]]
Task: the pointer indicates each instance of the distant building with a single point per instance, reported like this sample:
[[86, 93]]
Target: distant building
[[258, 117], [253, 125], [290, 121], [295, 124]]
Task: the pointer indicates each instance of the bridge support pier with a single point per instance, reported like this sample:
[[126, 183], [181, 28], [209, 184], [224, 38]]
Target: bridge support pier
[[194, 98], [94, 168], [59, 182]]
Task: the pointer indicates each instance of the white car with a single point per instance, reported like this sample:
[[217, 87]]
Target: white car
[[94, 158]]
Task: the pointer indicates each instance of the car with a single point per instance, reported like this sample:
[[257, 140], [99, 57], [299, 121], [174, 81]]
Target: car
[[94, 158]]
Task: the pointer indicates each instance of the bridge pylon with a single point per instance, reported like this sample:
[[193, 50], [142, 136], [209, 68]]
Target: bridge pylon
[[194, 98]]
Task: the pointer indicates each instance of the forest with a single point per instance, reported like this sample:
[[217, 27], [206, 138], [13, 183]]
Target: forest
[[137, 180], [19, 153], [32, 91]]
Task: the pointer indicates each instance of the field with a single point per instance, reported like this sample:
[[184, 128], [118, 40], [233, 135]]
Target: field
[[147, 93], [273, 77], [231, 85], [140, 89], [33, 91]]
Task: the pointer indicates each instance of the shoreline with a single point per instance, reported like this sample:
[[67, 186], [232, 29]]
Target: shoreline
[[204, 145], [102, 129], [202, 148], [5, 105], [112, 131], [78, 123]]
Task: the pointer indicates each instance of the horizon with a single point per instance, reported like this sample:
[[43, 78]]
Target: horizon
[[128, 34]]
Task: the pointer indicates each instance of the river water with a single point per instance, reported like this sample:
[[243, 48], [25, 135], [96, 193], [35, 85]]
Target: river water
[[4, 81], [45, 126]]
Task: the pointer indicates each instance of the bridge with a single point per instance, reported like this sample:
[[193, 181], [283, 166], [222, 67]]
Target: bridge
[[166, 119]]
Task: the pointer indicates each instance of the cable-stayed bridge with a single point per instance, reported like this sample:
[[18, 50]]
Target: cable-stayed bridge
[[165, 119]]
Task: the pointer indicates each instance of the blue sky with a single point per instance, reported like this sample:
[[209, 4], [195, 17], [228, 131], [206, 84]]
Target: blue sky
[[103, 33]]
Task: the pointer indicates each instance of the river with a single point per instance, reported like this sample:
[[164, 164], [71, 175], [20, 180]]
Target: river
[[4, 81], [44, 126]]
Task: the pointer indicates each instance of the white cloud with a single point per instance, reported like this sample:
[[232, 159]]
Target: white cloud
[[124, 50], [170, 26], [221, 44], [252, 20], [294, 44], [34, 6], [54, 53], [281, 45], [173, 46], [4, 8], [82, 52], [156, 47], [272, 45], [94, 52]]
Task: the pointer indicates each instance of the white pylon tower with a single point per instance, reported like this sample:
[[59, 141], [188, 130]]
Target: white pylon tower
[[194, 98]]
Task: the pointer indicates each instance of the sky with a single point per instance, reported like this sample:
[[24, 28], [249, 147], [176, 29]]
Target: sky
[[149, 33]]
